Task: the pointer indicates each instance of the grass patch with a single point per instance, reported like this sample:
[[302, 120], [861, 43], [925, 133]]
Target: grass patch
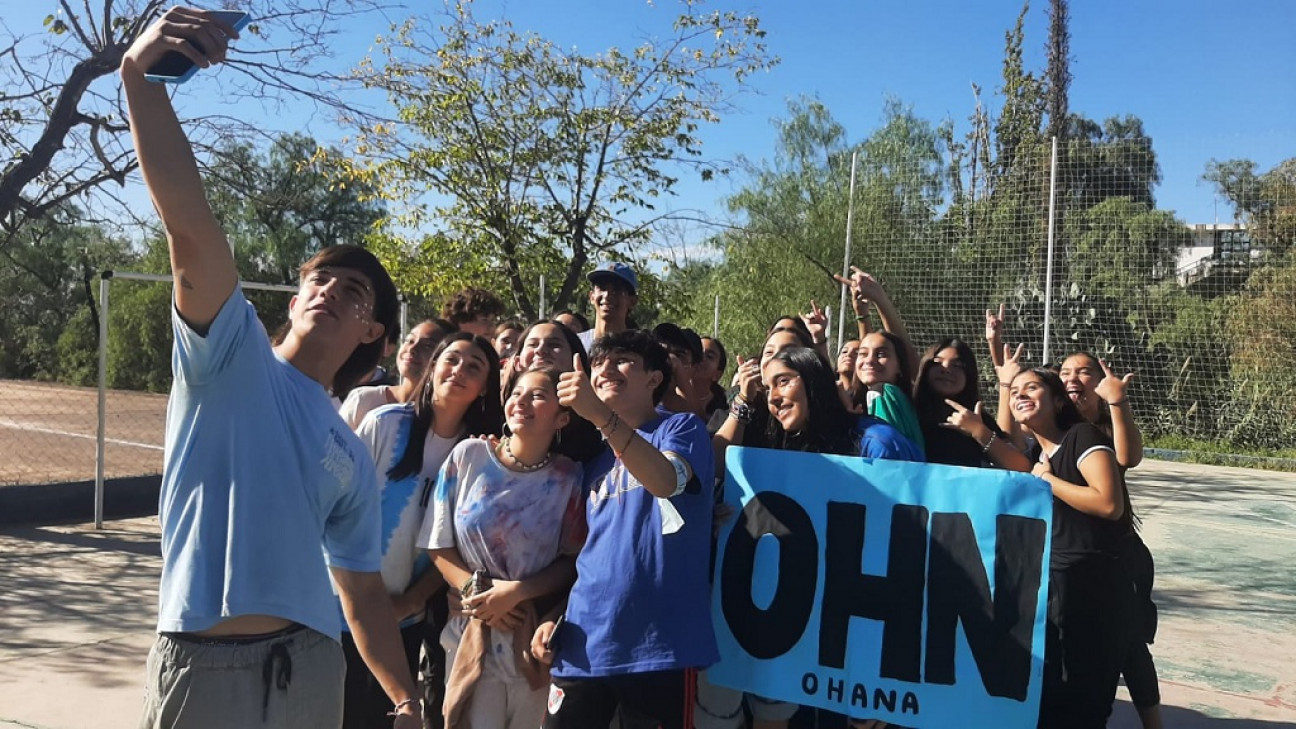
[[1216, 453]]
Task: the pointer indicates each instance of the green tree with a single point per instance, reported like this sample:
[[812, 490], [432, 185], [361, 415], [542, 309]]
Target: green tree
[[792, 217], [1108, 160], [1194, 396], [280, 206], [1057, 75], [1262, 331], [1017, 129], [46, 273], [537, 159]]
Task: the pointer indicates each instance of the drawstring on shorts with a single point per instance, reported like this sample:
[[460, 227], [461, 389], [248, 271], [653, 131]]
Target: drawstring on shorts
[[281, 678]]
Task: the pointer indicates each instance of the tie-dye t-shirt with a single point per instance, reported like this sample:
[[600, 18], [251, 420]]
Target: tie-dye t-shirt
[[510, 524]]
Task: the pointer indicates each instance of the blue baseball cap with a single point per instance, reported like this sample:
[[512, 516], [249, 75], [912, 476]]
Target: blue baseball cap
[[618, 272]]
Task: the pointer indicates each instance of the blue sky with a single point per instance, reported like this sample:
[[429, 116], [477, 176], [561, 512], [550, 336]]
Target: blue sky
[[1209, 79]]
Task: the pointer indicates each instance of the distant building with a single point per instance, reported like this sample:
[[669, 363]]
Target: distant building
[[1217, 258]]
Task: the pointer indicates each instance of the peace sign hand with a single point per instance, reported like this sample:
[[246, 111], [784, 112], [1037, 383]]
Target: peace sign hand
[[969, 422], [1112, 389]]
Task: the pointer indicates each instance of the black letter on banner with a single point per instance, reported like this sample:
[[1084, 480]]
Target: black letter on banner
[[999, 634], [896, 598], [859, 696], [836, 687], [885, 699], [770, 633], [810, 684]]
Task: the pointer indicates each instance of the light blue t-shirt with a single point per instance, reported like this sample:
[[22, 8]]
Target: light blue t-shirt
[[263, 486]]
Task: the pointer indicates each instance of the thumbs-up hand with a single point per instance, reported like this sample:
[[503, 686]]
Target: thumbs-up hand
[[576, 392]]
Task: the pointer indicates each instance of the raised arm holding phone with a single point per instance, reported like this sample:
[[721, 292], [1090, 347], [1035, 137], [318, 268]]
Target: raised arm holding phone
[[260, 471]]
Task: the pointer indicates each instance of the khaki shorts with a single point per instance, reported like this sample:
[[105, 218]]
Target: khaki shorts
[[288, 679]]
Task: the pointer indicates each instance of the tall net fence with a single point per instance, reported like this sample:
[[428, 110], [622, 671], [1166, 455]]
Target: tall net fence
[[1203, 311], [1200, 304]]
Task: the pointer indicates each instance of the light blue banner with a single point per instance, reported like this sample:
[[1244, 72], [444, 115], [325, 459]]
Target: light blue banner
[[884, 589]]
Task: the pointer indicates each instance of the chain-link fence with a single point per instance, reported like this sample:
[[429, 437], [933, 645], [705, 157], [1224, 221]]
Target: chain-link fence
[[54, 433], [1203, 311]]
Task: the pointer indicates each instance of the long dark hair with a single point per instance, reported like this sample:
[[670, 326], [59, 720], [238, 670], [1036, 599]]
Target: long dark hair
[[830, 428], [485, 417], [929, 404], [798, 326], [1068, 415]]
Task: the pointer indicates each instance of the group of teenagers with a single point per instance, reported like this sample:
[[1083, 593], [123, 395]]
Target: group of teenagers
[[529, 511]]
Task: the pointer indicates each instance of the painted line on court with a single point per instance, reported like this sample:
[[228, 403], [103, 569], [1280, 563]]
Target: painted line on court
[[7, 423]]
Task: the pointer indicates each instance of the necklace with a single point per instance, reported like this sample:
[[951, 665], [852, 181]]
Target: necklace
[[524, 467]]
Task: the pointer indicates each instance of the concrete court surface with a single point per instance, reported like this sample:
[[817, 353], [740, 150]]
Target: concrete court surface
[[77, 607]]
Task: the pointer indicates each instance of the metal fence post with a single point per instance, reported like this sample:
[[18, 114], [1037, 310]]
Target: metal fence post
[[105, 279], [1048, 276]]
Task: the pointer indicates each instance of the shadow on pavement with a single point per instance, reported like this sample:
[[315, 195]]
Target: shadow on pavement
[[1178, 717]]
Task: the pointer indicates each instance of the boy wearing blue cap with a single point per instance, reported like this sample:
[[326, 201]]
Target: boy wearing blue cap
[[614, 294]]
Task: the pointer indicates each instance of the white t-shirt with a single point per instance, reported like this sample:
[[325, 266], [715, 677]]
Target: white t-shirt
[[360, 401]]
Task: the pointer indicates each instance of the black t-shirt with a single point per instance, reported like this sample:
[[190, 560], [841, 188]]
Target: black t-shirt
[[956, 448], [1075, 534]]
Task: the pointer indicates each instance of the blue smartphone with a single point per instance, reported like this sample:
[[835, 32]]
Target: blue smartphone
[[176, 68]]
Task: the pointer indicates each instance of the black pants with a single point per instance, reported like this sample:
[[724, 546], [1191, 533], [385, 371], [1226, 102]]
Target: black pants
[[365, 704], [656, 700], [433, 661], [1088, 637], [1139, 670]]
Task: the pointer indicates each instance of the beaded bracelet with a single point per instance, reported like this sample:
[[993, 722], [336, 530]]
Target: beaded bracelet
[[402, 704], [985, 448]]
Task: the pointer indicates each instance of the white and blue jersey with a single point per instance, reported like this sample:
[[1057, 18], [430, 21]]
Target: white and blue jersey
[[385, 433]]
